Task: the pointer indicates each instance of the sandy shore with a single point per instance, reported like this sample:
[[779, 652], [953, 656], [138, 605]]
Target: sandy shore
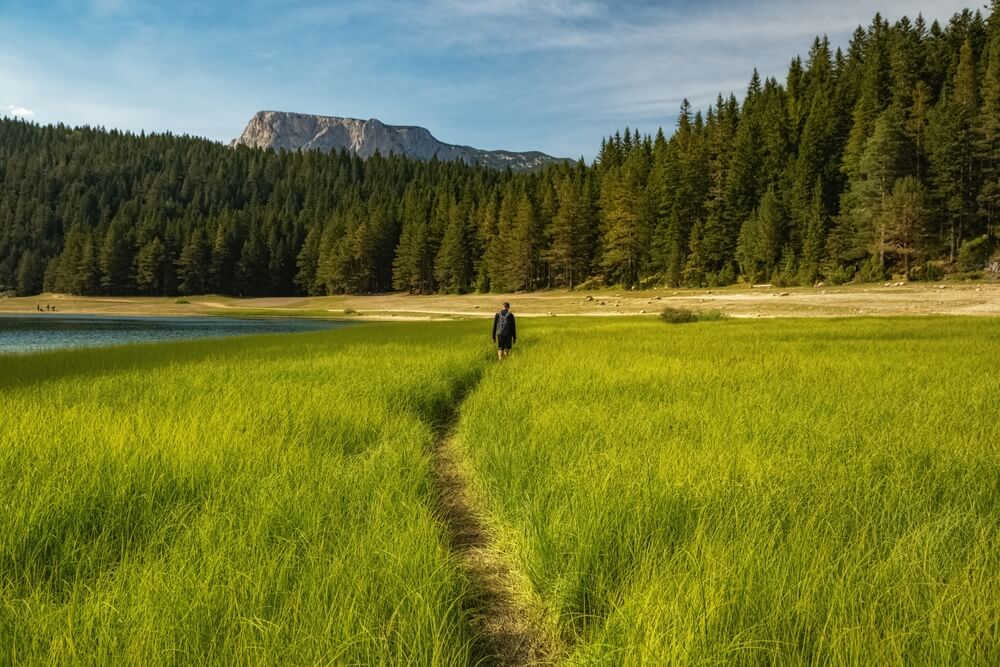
[[846, 301]]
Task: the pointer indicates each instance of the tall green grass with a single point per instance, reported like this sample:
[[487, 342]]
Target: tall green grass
[[734, 492], [259, 500], [747, 492]]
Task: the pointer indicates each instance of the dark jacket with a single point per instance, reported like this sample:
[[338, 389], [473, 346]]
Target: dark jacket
[[513, 325]]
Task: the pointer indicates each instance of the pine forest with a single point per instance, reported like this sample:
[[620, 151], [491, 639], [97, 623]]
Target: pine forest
[[881, 158]]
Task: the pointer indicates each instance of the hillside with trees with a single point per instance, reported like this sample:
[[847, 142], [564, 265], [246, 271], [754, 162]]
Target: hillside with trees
[[880, 159]]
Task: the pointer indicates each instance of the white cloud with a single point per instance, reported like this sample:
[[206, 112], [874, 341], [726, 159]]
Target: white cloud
[[554, 75], [16, 111]]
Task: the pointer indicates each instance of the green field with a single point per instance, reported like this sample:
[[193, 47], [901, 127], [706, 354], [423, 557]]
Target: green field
[[256, 500], [754, 492]]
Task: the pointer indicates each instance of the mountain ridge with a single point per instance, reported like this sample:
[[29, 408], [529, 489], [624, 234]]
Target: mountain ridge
[[285, 130]]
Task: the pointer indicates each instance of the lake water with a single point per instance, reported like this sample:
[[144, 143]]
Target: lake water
[[32, 333]]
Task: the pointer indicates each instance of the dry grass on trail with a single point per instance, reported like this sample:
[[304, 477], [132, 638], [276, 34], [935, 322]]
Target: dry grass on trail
[[506, 632], [845, 301]]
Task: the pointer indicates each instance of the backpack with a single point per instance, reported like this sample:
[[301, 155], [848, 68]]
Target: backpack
[[503, 324]]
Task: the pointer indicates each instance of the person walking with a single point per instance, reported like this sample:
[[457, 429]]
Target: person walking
[[504, 331]]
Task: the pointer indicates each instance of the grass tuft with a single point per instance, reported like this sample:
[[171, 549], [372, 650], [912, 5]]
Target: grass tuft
[[674, 315]]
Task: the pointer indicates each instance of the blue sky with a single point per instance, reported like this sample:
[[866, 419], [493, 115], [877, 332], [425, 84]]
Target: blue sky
[[551, 75]]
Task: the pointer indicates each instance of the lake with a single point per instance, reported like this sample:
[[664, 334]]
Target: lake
[[32, 333]]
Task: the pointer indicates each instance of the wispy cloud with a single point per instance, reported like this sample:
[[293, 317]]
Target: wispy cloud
[[562, 9], [554, 75], [16, 111]]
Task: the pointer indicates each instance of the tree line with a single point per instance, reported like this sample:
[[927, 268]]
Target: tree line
[[880, 159]]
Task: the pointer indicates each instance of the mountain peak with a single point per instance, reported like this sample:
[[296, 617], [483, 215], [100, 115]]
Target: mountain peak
[[283, 130]]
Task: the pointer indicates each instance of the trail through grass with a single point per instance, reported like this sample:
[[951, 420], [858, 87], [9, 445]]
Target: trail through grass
[[506, 628], [619, 492]]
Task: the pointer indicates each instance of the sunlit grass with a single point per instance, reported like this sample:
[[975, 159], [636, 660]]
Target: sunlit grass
[[722, 492], [750, 492], [257, 500]]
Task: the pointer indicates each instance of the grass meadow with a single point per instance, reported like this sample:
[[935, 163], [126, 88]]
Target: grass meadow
[[724, 492], [260, 500], [750, 492]]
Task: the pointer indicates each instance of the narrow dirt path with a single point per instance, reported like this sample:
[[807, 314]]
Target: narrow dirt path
[[505, 633]]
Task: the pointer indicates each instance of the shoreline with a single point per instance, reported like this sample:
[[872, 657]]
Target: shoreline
[[911, 299]]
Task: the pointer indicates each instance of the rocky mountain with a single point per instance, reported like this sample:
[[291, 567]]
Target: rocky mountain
[[295, 131]]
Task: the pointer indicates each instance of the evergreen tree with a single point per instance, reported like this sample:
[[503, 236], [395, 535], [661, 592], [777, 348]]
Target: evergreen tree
[[814, 239], [85, 279], [307, 262], [30, 273], [223, 261], [453, 265], [116, 258], [150, 266], [64, 272], [762, 239], [871, 99], [743, 185], [499, 265], [194, 264], [859, 231], [564, 233], [951, 152], [409, 269], [904, 220], [251, 264], [988, 140], [525, 259]]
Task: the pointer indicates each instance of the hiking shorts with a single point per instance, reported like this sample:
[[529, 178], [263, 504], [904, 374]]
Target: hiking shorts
[[504, 342]]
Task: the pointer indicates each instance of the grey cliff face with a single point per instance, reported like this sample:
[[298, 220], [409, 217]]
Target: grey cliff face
[[293, 131]]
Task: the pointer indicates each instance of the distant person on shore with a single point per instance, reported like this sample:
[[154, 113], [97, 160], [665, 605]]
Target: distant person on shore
[[504, 331]]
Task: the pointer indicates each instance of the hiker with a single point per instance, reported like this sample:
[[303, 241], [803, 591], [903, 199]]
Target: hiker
[[504, 331]]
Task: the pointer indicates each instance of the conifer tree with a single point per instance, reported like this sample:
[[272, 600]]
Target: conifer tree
[[498, 260], [988, 138], [859, 232], [814, 238], [453, 265], [627, 221], [951, 143], [30, 273], [85, 279], [251, 264], [525, 245], [715, 242], [904, 219], [762, 239], [150, 265], [307, 262], [116, 258], [194, 264], [223, 262], [564, 233]]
